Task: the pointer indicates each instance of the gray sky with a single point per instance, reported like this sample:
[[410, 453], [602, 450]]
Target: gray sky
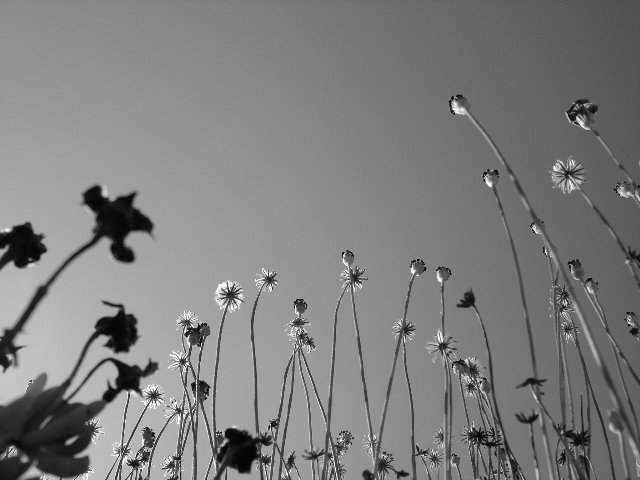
[[277, 134]]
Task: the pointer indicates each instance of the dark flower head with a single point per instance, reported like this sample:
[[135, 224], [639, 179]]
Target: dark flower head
[[580, 438], [591, 285], [468, 300], [299, 306], [406, 329], [418, 267], [239, 450], [633, 256], [273, 423], [347, 258], [291, 461], [458, 105], [128, 378], [25, 246], [527, 419], [196, 334], [121, 329], [203, 389], [577, 272], [581, 113], [115, 219], [491, 177], [148, 437], [367, 475]]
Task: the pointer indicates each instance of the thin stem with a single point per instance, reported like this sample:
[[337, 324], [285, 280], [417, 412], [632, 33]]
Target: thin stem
[[277, 429], [215, 382], [411, 408], [613, 156], [122, 447], [255, 371], [309, 424], [85, 349], [286, 422], [535, 455], [623, 455], [155, 444], [87, 377]]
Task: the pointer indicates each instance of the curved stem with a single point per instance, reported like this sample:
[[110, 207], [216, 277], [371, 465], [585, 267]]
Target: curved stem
[[613, 156], [85, 349], [275, 434], [286, 422], [215, 383], [411, 408], [87, 377], [135, 427], [309, 425], [255, 370], [122, 447]]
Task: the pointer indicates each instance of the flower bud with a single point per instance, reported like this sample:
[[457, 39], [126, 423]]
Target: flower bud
[[591, 285], [581, 113], [347, 258], [491, 178], [624, 189], [455, 460], [299, 306], [632, 319], [205, 330], [458, 105], [443, 274], [576, 269], [417, 267], [536, 227]]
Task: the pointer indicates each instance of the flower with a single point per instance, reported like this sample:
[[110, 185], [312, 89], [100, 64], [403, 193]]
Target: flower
[[438, 437], [455, 460], [25, 246], [458, 105], [580, 438], [385, 462], [115, 219], [273, 423], [473, 366], [299, 306], [474, 435], [581, 113], [569, 331], [291, 461], [527, 419], [121, 329], [152, 395], [187, 319], [128, 378], [368, 444], [96, 429], [174, 410], [491, 177], [536, 227], [434, 458], [203, 390], [119, 450], [577, 272], [567, 176], [470, 386], [441, 346], [591, 285], [353, 276], [624, 190], [313, 454], [406, 329], [468, 300], [485, 385], [443, 274], [229, 295], [196, 335], [344, 440], [239, 450], [530, 382], [266, 279], [347, 258], [417, 267], [180, 361], [148, 437]]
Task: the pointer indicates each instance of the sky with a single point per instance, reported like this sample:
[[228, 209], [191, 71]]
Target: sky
[[279, 133]]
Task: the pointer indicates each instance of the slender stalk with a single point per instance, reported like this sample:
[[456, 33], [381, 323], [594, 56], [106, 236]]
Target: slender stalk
[[87, 377], [277, 429], [466, 414], [122, 447], [536, 467], [411, 408], [361, 358], [215, 383], [286, 422], [331, 377], [613, 156], [85, 349], [155, 444], [623, 455], [309, 424], [565, 365], [390, 383], [255, 371]]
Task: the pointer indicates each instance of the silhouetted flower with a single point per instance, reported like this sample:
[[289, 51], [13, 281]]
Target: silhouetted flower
[[180, 361], [152, 395], [474, 435], [196, 335], [25, 246], [299, 306], [580, 438], [527, 419], [385, 462], [96, 429], [290, 462], [148, 437], [536, 227], [203, 390], [273, 423], [417, 267], [354, 277], [438, 437], [567, 176], [468, 300], [229, 295], [128, 378], [121, 329], [491, 178], [347, 258], [266, 279], [458, 105], [569, 331], [633, 256], [313, 454], [239, 450], [115, 219], [530, 382], [455, 460], [581, 113]]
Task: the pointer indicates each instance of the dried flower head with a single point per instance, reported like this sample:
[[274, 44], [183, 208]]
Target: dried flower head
[[468, 300], [203, 390], [229, 295], [567, 176], [458, 105], [353, 277], [491, 178], [577, 272], [581, 113], [536, 227], [418, 267], [25, 246], [443, 274], [266, 279], [239, 450], [347, 258], [120, 328], [406, 329]]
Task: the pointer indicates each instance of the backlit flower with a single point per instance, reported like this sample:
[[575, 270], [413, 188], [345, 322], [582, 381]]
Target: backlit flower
[[25, 246], [180, 361], [443, 274], [152, 395], [577, 272], [567, 176], [458, 105], [148, 437], [229, 295], [347, 258], [187, 319], [203, 390], [313, 454], [128, 378], [468, 300], [174, 410], [581, 113], [406, 329], [569, 331], [491, 178], [417, 267], [266, 279], [354, 277], [442, 346], [96, 429], [527, 419]]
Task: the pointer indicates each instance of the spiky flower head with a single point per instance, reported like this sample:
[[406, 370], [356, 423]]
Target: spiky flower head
[[174, 410], [442, 346], [527, 419], [470, 386], [266, 279], [25, 246], [152, 395], [345, 439], [581, 113], [186, 320], [491, 178], [455, 460], [536, 227], [577, 272], [443, 274], [568, 175], [229, 295], [180, 361], [291, 461], [353, 276], [433, 458], [474, 367], [418, 267], [370, 445], [468, 300], [438, 437], [569, 331], [591, 285], [203, 390], [119, 450], [624, 190], [385, 462], [299, 306], [313, 454], [579, 438], [347, 258], [96, 429], [458, 105], [406, 329]]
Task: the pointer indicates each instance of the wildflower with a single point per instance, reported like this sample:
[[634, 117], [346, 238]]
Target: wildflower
[[536, 227], [385, 462], [438, 438], [203, 390], [171, 464], [347, 258], [120, 328], [267, 279], [562, 301], [265, 439], [353, 276], [616, 425], [265, 459], [460, 368], [196, 335], [455, 460], [291, 461], [468, 300], [417, 267], [128, 378], [491, 177], [180, 361], [239, 450], [577, 272], [118, 450], [567, 176], [474, 435], [95, 428], [434, 458], [115, 219], [313, 454], [624, 190], [441, 346], [25, 246], [458, 105], [527, 419], [530, 382], [186, 319], [485, 385], [135, 463], [174, 410], [229, 295], [569, 331], [273, 424], [299, 306], [581, 113], [580, 438], [406, 329], [591, 285], [473, 366], [370, 445], [152, 395], [443, 274], [345, 439]]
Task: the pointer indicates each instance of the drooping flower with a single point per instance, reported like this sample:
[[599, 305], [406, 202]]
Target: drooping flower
[[530, 382], [567, 176], [347, 258], [239, 450], [203, 390], [406, 329], [527, 419], [120, 328], [266, 279], [581, 113], [152, 395], [354, 277], [25, 246], [229, 295], [468, 300], [187, 319], [591, 285], [442, 346], [458, 105], [128, 378], [443, 274], [148, 437], [491, 178]]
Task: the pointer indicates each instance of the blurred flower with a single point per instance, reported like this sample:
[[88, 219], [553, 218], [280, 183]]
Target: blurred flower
[[120, 328], [527, 419], [266, 279], [624, 190], [345, 439], [577, 272], [632, 319], [170, 465], [119, 450], [385, 463], [299, 306], [174, 410], [591, 285], [567, 176], [196, 335], [633, 256], [115, 219], [273, 423], [455, 460], [536, 227], [25, 246], [438, 437], [443, 274], [354, 277], [239, 450], [152, 395], [474, 435], [417, 267], [468, 300], [491, 178], [203, 390], [347, 258], [290, 462], [458, 105], [180, 361], [229, 295], [187, 319], [459, 367], [406, 329], [313, 454], [148, 437], [128, 378], [581, 113], [485, 385], [442, 346], [530, 382], [96, 429]]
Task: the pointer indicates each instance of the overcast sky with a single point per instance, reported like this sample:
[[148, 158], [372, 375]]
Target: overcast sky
[[279, 133]]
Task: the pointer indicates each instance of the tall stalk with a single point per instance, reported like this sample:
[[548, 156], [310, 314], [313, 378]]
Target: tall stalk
[[411, 408], [214, 394], [255, 371], [277, 429], [286, 422], [309, 424]]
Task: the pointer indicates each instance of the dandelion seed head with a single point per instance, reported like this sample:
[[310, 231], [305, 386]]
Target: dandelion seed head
[[568, 175], [353, 277]]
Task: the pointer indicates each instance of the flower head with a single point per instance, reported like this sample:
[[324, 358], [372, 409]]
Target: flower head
[[581, 113], [455, 460], [433, 458], [458, 105], [229, 295], [370, 445], [313, 454], [180, 361], [96, 429], [577, 272], [591, 285], [187, 319], [152, 395], [438, 437], [624, 190], [385, 462], [347, 258], [174, 410], [569, 331], [239, 450], [567, 176], [266, 279], [299, 306], [203, 390], [353, 276], [491, 177], [527, 419], [148, 437], [417, 267], [115, 219], [121, 329], [406, 329], [468, 300], [632, 319], [25, 246], [128, 378], [442, 346], [443, 274], [536, 227]]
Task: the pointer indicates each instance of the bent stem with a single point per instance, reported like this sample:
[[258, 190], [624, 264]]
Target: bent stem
[[286, 422], [309, 425], [613, 156], [411, 409], [275, 434], [255, 371], [215, 384]]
